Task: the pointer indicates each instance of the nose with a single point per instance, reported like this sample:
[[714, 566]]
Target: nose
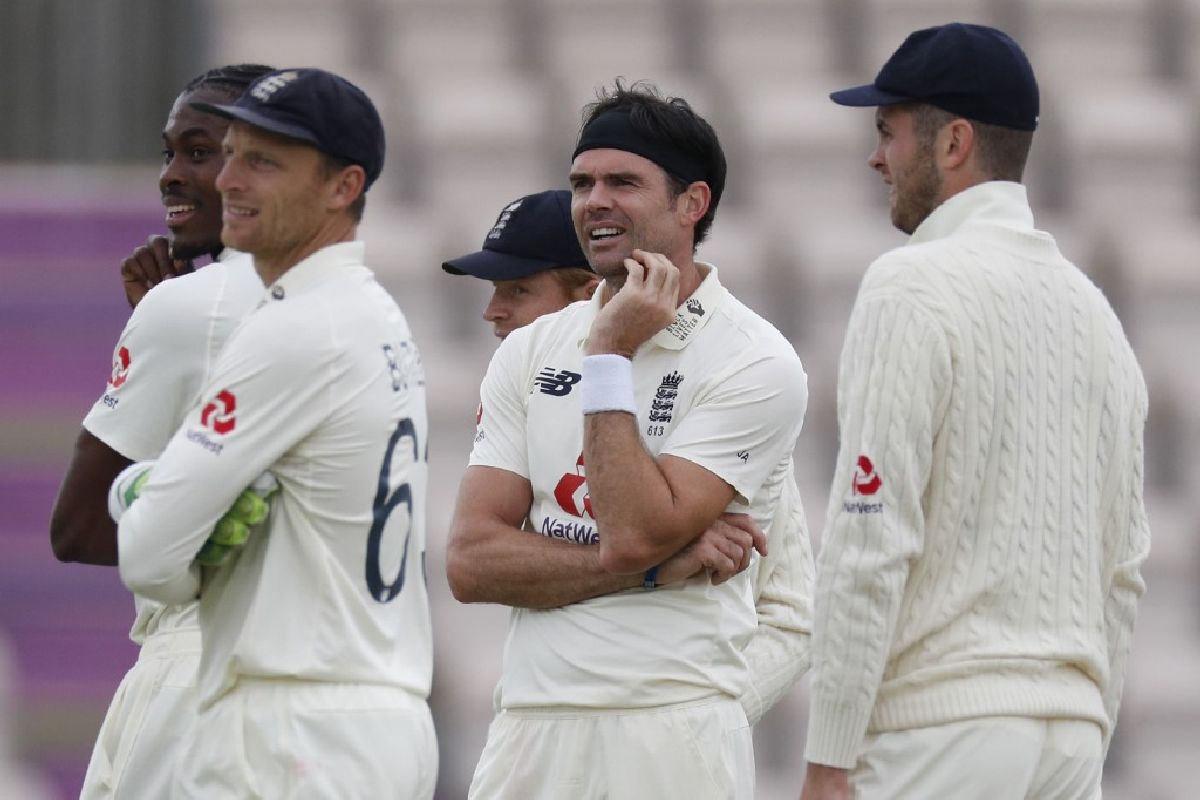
[[497, 309], [227, 178], [875, 160], [171, 173]]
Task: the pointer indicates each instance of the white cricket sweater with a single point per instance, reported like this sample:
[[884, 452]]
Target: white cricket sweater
[[986, 524]]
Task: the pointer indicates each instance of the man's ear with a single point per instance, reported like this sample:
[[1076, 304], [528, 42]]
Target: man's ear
[[585, 291], [346, 186], [693, 203], [955, 144]]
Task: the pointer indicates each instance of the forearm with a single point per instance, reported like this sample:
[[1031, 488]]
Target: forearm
[[497, 563], [640, 518], [80, 528], [776, 658]]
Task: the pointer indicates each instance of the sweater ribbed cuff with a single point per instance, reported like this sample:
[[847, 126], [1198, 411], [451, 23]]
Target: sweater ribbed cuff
[[835, 733]]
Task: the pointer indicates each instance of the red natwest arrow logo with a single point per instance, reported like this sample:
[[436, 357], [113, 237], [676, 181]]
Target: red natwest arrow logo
[[120, 370], [865, 479], [572, 494], [222, 421]]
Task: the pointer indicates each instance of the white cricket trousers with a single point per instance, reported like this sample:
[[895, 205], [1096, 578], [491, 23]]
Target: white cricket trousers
[[144, 728], [309, 740], [699, 751], [995, 758]]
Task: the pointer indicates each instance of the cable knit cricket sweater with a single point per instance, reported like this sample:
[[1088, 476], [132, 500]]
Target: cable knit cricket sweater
[[986, 525]]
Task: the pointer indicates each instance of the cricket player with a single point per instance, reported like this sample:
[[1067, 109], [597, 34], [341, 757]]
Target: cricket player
[[533, 260], [524, 254], [629, 422], [981, 566], [317, 660], [162, 359]]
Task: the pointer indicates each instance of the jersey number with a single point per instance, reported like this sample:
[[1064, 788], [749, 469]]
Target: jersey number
[[382, 508]]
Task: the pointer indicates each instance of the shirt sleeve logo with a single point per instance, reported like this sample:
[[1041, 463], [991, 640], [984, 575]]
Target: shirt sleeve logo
[[218, 415], [557, 383], [866, 481], [120, 368]]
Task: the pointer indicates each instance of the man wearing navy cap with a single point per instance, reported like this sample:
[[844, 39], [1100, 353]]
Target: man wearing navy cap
[[980, 568], [532, 258], [316, 659]]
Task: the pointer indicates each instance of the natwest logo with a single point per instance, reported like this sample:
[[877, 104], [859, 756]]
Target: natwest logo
[[120, 369], [572, 494], [866, 481], [218, 413]]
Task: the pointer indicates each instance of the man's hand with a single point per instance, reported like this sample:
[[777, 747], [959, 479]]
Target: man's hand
[[150, 265], [724, 550], [641, 308], [232, 530], [126, 487], [823, 782]]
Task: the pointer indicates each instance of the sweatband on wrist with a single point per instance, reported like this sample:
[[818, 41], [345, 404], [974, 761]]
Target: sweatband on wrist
[[650, 579], [607, 384]]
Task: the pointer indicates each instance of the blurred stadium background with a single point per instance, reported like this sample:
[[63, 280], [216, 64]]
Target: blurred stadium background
[[481, 99]]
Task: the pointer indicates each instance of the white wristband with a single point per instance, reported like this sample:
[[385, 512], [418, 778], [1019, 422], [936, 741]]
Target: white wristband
[[607, 384]]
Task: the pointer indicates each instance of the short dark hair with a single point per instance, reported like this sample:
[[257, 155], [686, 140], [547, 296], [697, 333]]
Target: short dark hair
[[1002, 152], [233, 79], [330, 166], [673, 122]]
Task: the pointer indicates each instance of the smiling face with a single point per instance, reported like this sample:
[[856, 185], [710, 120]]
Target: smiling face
[[621, 202], [192, 158], [274, 191], [906, 161]]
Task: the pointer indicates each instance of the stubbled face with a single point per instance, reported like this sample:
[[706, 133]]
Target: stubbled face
[[273, 190], [907, 165], [621, 202], [518, 302], [192, 158]]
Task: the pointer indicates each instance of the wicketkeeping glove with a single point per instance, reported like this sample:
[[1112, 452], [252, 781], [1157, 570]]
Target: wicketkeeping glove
[[232, 530], [126, 487]]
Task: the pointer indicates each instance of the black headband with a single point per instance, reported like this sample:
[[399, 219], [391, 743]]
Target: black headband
[[614, 129]]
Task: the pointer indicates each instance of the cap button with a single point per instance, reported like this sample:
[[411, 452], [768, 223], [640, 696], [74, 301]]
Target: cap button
[[277, 292]]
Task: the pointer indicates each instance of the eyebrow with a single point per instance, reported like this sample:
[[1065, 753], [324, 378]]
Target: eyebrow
[[190, 133]]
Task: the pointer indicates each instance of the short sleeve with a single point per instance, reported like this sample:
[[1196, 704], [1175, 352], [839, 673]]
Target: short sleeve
[[500, 439], [157, 366], [744, 422]]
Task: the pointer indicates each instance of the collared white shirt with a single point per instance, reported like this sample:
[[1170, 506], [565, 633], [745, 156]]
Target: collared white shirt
[[323, 386], [165, 354], [720, 387]]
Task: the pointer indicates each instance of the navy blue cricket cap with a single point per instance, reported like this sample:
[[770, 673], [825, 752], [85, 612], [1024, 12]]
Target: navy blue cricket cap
[[532, 234], [973, 71], [316, 107]]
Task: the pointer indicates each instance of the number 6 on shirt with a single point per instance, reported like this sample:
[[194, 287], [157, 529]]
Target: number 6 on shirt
[[382, 509]]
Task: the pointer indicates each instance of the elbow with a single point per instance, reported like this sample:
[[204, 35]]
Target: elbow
[[68, 536], [157, 585], [464, 584]]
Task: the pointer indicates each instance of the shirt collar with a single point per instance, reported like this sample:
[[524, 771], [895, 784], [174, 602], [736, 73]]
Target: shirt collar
[[317, 268], [995, 203], [694, 312]]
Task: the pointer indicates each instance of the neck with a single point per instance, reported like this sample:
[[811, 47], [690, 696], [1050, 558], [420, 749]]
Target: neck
[[689, 280], [272, 266]]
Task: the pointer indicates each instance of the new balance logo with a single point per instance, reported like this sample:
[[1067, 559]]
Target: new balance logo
[[557, 384], [263, 90]]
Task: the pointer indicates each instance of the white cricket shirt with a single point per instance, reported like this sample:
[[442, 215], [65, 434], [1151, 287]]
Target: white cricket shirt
[[323, 386], [165, 354], [720, 387]]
